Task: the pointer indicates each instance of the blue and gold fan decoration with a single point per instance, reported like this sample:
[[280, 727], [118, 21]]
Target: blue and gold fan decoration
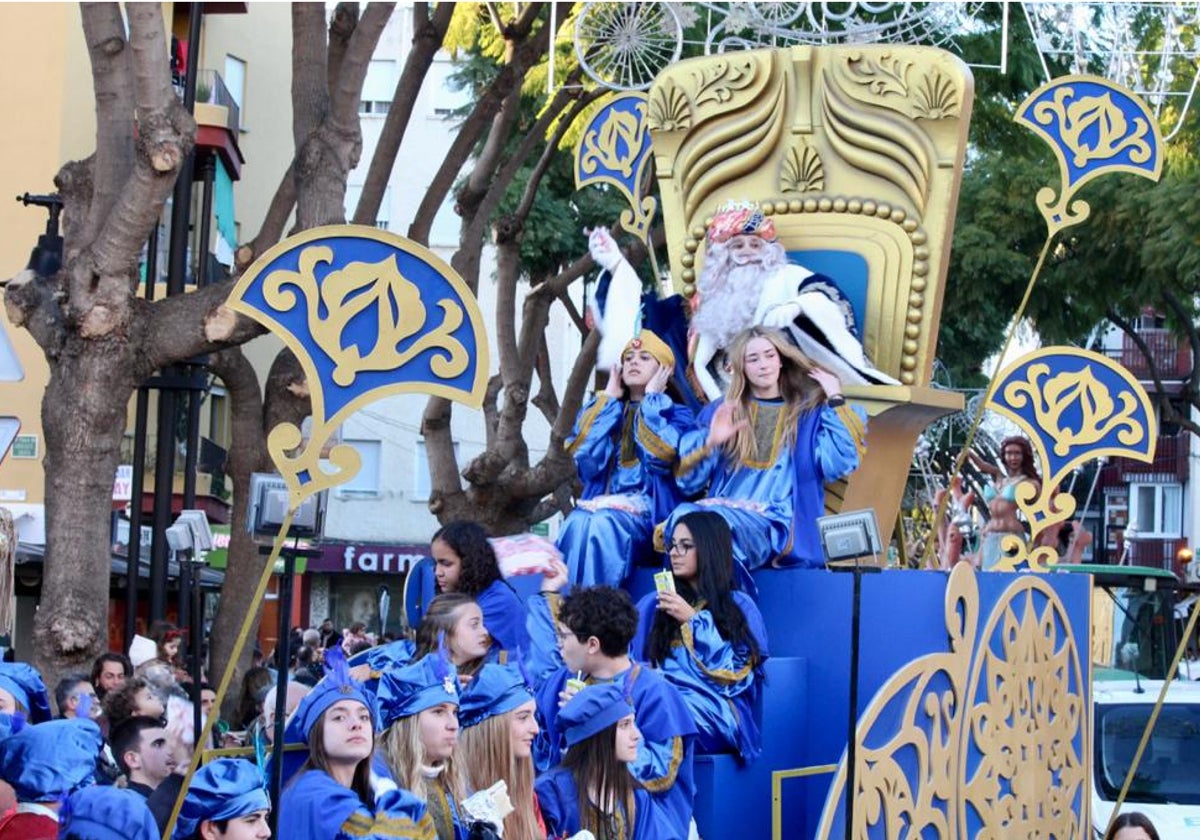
[[1094, 127], [368, 314], [1074, 406], [614, 149]]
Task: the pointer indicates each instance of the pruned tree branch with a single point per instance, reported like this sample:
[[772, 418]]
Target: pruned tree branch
[[112, 83], [341, 26], [352, 72], [271, 231]]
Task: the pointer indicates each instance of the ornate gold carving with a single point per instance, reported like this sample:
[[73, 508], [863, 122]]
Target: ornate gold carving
[[1104, 122], [802, 170], [669, 109], [717, 82], [936, 98], [887, 76], [869, 139], [347, 292], [990, 730], [1051, 400]]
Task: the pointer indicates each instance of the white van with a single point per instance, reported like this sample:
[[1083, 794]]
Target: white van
[[1166, 787]]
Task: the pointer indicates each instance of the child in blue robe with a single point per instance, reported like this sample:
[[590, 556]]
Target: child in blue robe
[[592, 788], [627, 469], [766, 451], [223, 790], [706, 637], [583, 638], [336, 796], [465, 562]]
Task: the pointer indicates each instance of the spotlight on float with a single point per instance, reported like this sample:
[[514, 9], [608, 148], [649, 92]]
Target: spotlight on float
[[269, 507], [849, 536]]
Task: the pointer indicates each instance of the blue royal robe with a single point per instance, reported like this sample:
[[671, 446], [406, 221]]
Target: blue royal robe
[[716, 679], [558, 796], [316, 807], [628, 484], [771, 505], [445, 813], [664, 760]]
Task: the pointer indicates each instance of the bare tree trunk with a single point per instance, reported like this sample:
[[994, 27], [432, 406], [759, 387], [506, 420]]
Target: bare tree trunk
[[84, 320]]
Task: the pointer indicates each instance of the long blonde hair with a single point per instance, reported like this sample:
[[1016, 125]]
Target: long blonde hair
[[486, 751], [404, 754], [800, 392]]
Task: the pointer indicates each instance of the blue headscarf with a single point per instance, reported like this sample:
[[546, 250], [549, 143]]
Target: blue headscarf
[[25, 684], [592, 710], [221, 790], [46, 762], [104, 812], [495, 690], [337, 685]]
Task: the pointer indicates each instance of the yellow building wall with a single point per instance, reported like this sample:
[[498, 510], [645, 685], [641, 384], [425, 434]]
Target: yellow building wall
[[45, 97]]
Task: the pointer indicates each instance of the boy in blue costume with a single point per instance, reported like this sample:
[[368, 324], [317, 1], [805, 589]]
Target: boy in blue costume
[[225, 790], [626, 467], [585, 635], [766, 451], [335, 796]]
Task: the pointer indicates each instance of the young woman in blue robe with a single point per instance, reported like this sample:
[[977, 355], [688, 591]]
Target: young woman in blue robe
[[419, 707], [707, 638], [465, 562], [336, 796], [592, 788], [767, 449], [627, 469]]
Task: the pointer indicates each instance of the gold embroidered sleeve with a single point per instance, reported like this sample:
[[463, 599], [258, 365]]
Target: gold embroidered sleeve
[[721, 675], [665, 781], [854, 423], [586, 420]]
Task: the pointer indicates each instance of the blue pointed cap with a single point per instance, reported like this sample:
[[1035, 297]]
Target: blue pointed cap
[[335, 686], [404, 692], [221, 790], [104, 812], [25, 684], [592, 710], [48, 761], [495, 690]]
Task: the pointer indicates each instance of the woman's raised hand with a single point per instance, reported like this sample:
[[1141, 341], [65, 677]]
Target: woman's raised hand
[[830, 384], [674, 605], [614, 388], [725, 424], [658, 382]]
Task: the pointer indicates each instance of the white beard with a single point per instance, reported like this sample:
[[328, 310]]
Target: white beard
[[729, 308]]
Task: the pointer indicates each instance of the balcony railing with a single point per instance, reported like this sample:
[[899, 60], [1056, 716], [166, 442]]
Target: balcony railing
[[1171, 356], [1157, 553], [1170, 464], [211, 90]]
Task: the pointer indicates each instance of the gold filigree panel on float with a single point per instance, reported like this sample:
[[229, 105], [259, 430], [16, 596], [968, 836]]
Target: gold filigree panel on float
[[989, 739], [824, 139]]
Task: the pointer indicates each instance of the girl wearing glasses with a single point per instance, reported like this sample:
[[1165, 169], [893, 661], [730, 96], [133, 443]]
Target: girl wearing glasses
[[766, 451], [707, 637]]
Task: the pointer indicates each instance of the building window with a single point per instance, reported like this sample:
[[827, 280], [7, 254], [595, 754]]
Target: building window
[[1156, 510], [422, 485], [373, 107], [218, 416], [383, 218], [9, 426], [366, 483], [235, 83]]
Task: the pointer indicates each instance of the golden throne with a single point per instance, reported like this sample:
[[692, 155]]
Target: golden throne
[[856, 153]]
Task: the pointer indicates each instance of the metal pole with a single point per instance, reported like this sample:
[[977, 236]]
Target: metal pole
[[141, 419], [283, 654], [852, 725], [194, 631], [164, 471]]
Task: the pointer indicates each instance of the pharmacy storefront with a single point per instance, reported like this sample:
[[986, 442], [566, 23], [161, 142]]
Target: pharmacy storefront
[[352, 582]]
